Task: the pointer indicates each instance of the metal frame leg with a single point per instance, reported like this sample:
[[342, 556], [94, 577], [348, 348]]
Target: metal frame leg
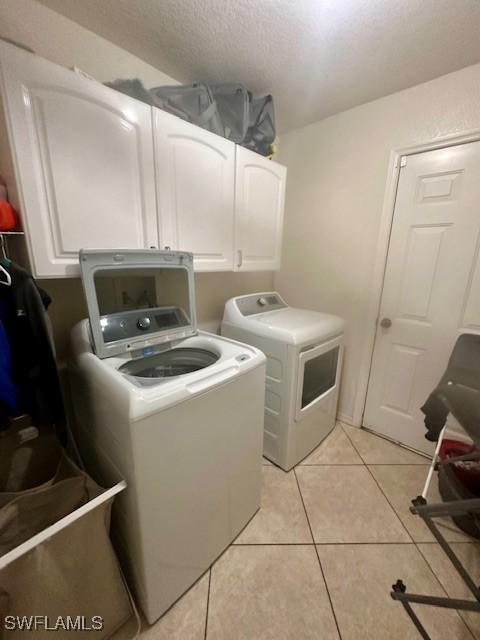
[[459, 507], [399, 589]]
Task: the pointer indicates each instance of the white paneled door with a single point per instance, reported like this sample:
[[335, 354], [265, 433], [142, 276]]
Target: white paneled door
[[431, 289]]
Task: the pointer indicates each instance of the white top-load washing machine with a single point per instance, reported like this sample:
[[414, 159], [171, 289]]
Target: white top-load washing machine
[[304, 352], [176, 412]]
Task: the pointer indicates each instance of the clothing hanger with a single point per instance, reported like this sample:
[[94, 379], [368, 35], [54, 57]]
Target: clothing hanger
[[4, 260], [8, 281]]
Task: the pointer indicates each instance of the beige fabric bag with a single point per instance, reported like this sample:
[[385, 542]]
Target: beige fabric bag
[[74, 571], [25, 513]]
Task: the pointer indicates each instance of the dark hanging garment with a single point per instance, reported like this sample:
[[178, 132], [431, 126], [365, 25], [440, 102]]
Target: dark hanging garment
[[23, 314], [464, 370], [8, 388]]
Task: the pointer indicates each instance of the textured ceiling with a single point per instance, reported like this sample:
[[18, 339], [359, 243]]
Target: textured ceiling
[[317, 57]]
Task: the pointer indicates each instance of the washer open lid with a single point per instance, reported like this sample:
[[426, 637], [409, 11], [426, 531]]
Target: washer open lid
[[138, 298]]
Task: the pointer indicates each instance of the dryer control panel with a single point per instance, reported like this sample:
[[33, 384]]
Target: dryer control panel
[[259, 303]]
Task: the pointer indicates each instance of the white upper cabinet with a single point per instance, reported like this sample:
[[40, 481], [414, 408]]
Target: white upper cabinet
[[259, 205], [97, 169], [83, 158], [195, 191]]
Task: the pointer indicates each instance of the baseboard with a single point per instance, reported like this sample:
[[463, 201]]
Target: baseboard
[[346, 419]]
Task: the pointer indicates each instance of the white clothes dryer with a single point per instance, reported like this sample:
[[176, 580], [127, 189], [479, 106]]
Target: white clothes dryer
[[176, 412], [304, 352]]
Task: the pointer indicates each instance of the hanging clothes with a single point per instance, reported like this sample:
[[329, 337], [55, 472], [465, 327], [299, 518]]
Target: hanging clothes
[[8, 388], [23, 308]]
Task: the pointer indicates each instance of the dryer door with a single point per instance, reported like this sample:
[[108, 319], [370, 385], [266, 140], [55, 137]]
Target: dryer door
[[318, 375]]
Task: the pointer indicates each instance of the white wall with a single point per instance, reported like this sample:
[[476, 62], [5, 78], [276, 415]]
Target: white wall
[[64, 42], [60, 40], [337, 172]]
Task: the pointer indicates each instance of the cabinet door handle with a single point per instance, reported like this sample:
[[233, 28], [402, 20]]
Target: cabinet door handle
[[240, 258]]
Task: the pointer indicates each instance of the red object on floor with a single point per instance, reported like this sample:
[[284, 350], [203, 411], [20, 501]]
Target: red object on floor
[[8, 216], [468, 473]]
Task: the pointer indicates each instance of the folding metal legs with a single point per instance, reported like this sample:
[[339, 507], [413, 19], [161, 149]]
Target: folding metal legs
[[427, 513]]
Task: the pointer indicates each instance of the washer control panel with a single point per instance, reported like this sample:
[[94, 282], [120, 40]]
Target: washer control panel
[[144, 323], [132, 324], [259, 303]]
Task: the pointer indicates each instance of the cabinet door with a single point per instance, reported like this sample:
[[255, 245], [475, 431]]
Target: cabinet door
[[259, 205], [195, 191], [83, 156]]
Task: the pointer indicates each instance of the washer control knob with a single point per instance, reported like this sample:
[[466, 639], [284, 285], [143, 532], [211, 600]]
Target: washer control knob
[[262, 301], [143, 323]]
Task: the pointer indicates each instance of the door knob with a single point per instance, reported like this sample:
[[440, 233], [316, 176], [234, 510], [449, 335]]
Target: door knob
[[386, 323]]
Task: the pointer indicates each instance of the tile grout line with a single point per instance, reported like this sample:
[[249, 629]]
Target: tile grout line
[[381, 491], [353, 445], [318, 557], [383, 438], [395, 442], [362, 464], [436, 578], [327, 464], [208, 602], [390, 504], [319, 544]]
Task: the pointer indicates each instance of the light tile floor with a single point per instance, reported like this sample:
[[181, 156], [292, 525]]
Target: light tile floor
[[319, 558]]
